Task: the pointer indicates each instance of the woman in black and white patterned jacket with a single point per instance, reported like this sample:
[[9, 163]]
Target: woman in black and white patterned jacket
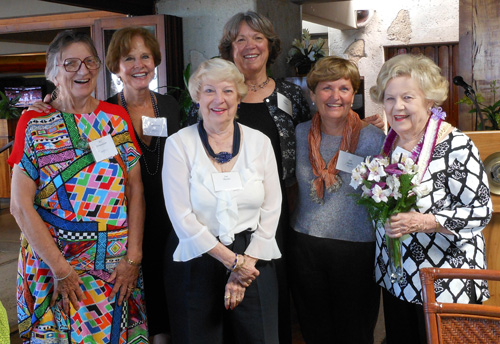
[[446, 228]]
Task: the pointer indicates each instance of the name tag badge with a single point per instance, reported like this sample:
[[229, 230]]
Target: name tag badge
[[398, 152], [348, 162], [154, 126], [227, 181], [103, 148], [285, 104]]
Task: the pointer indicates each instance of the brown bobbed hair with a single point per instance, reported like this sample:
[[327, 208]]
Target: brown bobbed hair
[[120, 46], [332, 68], [258, 23]]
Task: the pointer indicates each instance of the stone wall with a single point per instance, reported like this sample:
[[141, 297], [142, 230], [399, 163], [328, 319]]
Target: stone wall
[[395, 22]]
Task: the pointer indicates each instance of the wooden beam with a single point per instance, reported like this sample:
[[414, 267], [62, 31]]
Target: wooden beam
[[52, 22], [132, 7], [29, 63]]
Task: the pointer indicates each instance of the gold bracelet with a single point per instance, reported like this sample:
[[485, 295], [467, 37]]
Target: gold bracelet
[[131, 262], [237, 266], [437, 223]]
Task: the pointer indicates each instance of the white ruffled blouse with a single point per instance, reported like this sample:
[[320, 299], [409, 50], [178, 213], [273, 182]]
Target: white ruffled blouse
[[202, 216]]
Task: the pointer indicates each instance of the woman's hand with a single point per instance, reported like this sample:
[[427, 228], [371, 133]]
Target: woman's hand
[[125, 280], [410, 222], [69, 289], [375, 120], [246, 272], [234, 292], [40, 106]]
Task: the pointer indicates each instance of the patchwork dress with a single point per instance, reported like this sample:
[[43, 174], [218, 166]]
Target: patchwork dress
[[82, 202]]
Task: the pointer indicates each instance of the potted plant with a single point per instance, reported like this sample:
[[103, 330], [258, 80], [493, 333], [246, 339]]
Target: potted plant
[[302, 55], [8, 110], [492, 112]]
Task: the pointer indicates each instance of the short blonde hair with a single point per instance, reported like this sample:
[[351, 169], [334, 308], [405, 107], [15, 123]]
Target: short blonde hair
[[418, 67], [121, 42], [216, 69], [332, 68]]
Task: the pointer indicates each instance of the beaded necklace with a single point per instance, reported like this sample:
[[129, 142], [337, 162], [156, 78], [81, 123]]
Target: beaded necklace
[[144, 147], [222, 157]]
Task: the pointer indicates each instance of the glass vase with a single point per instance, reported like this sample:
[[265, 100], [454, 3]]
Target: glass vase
[[395, 259]]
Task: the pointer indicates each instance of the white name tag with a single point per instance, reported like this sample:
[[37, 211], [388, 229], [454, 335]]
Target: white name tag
[[154, 126], [398, 152], [103, 148], [285, 104], [348, 162], [227, 181]]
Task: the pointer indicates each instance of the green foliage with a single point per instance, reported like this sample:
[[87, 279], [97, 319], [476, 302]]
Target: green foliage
[[492, 112], [7, 107]]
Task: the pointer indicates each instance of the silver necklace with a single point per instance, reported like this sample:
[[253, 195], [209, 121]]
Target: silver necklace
[[256, 87], [144, 146]]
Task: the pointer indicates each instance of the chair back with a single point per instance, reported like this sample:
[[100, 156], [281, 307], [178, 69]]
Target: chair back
[[458, 323]]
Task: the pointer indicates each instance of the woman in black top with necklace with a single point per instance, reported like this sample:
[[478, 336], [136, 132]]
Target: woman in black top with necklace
[[133, 54]]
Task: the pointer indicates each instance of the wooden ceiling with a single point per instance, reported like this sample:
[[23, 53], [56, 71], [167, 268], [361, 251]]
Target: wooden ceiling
[[132, 7], [136, 7]]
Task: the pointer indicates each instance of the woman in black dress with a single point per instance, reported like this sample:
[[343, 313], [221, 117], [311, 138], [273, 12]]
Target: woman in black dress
[[133, 54]]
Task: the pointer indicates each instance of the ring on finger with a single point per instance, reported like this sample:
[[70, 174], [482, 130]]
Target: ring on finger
[[227, 297]]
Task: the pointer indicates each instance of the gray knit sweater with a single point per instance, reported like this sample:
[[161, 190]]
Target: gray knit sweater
[[339, 217]]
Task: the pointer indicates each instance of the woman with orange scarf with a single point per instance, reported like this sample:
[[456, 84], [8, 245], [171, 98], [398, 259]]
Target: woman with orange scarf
[[333, 242]]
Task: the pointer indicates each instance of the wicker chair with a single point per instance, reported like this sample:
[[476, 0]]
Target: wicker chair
[[459, 323]]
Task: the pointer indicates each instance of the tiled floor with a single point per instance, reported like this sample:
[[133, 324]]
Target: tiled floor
[[9, 248]]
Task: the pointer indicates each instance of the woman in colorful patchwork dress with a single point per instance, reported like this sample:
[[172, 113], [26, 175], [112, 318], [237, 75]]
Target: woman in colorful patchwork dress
[[78, 198], [445, 230]]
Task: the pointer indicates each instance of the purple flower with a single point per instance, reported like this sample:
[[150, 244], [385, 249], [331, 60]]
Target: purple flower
[[438, 113], [393, 169], [380, 184]]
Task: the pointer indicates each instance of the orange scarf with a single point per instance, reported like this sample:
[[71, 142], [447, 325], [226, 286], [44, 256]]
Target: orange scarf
[[327, 175]]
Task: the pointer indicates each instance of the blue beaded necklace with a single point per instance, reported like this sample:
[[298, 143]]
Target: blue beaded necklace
[[221, 157]]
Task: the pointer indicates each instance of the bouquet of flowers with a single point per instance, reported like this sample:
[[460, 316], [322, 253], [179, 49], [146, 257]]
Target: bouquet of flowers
[[388, 188]]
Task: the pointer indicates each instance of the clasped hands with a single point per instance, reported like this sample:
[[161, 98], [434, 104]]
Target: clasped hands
[[238, 281]]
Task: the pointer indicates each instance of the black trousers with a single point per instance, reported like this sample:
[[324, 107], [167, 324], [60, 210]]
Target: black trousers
[[333, 289], [404, 321], [195, 295]]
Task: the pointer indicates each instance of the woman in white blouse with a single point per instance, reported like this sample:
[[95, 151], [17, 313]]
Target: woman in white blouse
[[222, 193]]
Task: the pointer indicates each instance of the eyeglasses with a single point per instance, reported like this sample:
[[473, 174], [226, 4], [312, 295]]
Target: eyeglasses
[[74, 64]]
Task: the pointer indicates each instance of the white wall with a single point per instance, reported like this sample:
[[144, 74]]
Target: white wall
[[203, 21], [429, 21]]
